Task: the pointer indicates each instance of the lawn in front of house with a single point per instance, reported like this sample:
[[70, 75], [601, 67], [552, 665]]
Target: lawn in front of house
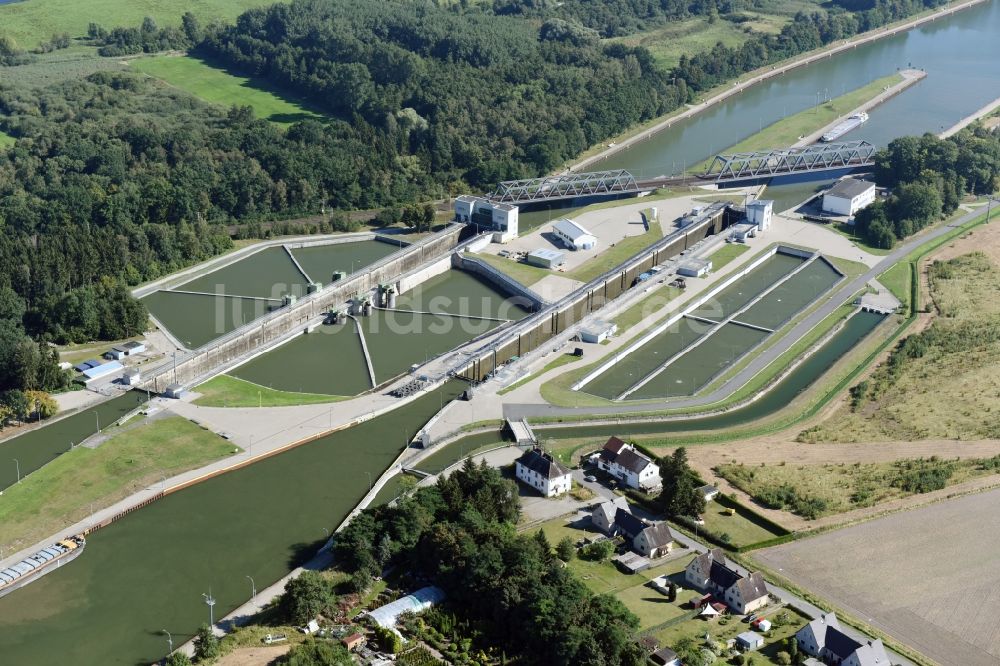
[[740, 528]]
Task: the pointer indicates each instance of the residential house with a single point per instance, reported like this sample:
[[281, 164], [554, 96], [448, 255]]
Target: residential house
[[824, 639], [650, 540], [665, 657], [743, 594], [623, 462], [543, 473]]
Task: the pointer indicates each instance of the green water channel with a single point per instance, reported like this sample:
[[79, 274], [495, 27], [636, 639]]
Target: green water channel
[[792, 296], [269, 273], [779, 396], [460, 293], [690, 371], [327, 360], [196, 319], [321, 261], [748, 287], [148, 571], [36, 448]]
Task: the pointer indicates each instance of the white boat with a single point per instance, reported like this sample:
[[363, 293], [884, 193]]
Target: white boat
[[845, 126], [35, 566]]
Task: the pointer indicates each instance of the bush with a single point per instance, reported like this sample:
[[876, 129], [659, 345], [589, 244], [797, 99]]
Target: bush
[[783, 658], [306, 597], [598, 551], [206, 644], [565, 549]]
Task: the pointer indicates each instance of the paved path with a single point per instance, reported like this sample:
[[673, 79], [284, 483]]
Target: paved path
[[740, 86], [971, 118], [910, 76], [762, 360]]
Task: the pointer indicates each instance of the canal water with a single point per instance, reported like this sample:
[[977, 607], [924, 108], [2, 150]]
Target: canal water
[[779, 396], [959, 53], [38, 447], [269, 273], [148, 571], [460, 293], [321, 261], [327, 360], [197, 319], [791, 296]]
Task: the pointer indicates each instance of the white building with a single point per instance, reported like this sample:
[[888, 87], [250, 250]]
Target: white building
[[695, 267], [622, 461], [545, 258], [743, 594], [650, 540], [848, 196], [501, 218], [573, 235], [759, 213], [822, 638], [540, 471], [598, 332], [131, 376]]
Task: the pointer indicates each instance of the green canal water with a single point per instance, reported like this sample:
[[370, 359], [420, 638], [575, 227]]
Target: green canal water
[[269, 273], [36, 448], [197, 319], [322, 261], [748, 287], [460, 293], [147, 572], [327, 360], [780, 395], [792, 296]]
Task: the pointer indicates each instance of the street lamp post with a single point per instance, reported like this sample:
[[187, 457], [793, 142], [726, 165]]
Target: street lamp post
[[170, 641], [18, 464], [210, 602], [253, 587]]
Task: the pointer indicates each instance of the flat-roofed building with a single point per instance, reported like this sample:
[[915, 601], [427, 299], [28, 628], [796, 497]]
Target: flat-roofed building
[[574, 236], [848, 196], [545, 258]]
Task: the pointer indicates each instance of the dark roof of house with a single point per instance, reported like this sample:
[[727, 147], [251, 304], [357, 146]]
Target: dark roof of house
[[658, 535], [132, 345], [632, 460], [723, 576], [664, 656], [614, 445], [752, 587], [840, 643], [705, 560], [850, 188], [542, 463], [629, 523]]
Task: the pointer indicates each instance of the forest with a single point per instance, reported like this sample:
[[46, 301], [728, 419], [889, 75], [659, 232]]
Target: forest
[[510, 590], [928, 177]]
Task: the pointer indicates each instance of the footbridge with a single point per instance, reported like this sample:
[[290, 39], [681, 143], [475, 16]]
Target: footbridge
[[724, 169]]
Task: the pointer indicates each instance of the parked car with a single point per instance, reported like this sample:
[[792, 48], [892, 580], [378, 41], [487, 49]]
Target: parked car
[[590, 477], [750, 618]]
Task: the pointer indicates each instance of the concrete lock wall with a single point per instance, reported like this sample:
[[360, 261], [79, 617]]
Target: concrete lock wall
[[537, 329], [504, 282], [259, 334]]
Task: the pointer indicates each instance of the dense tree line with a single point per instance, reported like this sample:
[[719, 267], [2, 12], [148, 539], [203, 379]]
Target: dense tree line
[[514, 592], [454, 98], [25, 365], [928, 177], [806, 32], [147, 38]]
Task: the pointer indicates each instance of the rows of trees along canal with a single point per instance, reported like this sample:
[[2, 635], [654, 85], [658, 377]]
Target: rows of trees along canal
[[928, 177], [116, 180]]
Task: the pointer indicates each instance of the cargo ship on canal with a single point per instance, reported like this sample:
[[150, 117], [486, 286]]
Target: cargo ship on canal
[[840, 129], [35, 566]]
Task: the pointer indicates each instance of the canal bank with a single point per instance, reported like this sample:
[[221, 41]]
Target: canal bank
[[765, 75]]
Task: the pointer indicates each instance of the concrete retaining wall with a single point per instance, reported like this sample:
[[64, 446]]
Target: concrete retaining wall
[[273, 327], [500, 280]]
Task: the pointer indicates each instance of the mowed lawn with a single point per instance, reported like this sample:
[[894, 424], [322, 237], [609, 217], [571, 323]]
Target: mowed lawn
[[226, 391], [63, 491], [217, 86], [33, 21]]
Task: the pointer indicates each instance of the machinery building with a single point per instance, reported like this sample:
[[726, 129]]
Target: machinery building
[[598, 332], [848, 196], [759, 213], [500, 218], [695, 267], [545, 258], [573, 235]]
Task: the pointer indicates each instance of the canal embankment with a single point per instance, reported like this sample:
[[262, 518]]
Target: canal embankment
[[765, 75], [971, 118], [910, 77]]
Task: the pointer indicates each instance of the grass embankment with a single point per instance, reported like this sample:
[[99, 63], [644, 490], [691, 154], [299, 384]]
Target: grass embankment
[[898, 280], [559, 361], [31, 22], [941, 382], [63, 491], [226, 391], [615, 255], [787, 131], [522, 272], [813, 491], [217, 86], [648, 305], [726, 254]]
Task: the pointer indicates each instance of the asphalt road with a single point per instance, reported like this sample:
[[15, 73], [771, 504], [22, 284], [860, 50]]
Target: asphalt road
[[765, 358]]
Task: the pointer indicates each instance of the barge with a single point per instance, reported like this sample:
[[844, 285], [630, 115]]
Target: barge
[[845, 126], [35, 566]]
